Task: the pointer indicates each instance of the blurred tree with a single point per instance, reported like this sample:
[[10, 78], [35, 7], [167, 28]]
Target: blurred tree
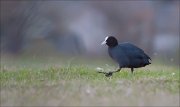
[[14, 17]]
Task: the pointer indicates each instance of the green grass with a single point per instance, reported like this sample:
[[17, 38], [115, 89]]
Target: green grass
[[33, 83]]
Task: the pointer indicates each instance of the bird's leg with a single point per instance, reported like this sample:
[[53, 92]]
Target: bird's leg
[[119, 69], [101, 72], [132, 69], [110, 73]]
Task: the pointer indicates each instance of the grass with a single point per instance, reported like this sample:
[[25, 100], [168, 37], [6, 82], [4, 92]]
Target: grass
[[60, 83]]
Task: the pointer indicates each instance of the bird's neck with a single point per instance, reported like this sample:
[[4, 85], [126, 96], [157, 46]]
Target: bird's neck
[[112, 46]]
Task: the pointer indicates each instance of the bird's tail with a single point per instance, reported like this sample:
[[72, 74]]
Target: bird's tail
[[147, 60]]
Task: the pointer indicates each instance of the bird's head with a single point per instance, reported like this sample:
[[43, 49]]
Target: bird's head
[[110, 41]]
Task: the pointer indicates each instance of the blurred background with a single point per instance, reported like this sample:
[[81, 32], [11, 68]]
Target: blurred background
[[77, 28]]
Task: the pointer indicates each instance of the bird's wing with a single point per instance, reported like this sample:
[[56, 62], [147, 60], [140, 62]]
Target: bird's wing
[[133, 51], [130, 46]]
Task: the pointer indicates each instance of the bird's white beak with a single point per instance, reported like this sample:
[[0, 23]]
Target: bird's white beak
[[103, 43]]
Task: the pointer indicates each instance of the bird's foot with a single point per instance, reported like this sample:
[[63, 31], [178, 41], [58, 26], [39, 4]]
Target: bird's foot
[[108, 74]]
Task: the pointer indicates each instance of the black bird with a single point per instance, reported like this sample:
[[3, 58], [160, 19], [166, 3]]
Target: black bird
[[126, 55]]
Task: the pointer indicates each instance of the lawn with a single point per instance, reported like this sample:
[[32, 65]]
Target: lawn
[[72, 82]]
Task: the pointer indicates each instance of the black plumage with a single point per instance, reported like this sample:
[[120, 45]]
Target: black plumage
[[126, 55]]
